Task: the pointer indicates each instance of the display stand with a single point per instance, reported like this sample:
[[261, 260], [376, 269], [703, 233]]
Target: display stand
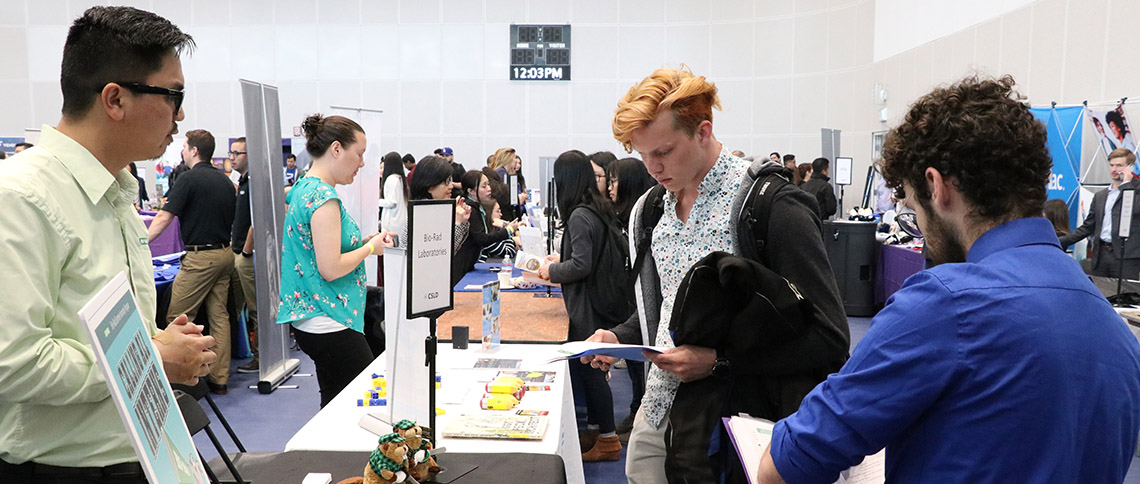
[[430, 245], [267, 193], [842, 179], [1127, 201], [550, 204]]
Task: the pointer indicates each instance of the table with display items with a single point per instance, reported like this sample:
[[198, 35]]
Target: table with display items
[[336, 427], [482, 274]]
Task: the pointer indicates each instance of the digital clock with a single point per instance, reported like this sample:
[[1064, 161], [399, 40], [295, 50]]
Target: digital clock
[[540, 53]]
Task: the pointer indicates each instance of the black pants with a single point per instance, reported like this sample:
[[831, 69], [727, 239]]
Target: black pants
[[1108, 263], [636, 371], [599, 399], [31, 473], [339, 357]]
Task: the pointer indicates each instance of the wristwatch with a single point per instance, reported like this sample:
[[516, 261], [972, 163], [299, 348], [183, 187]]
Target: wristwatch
[[247, 254], [722, 368]]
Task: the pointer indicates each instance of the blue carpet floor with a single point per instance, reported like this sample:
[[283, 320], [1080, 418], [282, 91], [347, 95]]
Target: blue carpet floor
[[265, 422]]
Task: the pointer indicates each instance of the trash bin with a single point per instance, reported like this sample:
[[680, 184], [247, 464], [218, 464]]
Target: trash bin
[[851, 249]]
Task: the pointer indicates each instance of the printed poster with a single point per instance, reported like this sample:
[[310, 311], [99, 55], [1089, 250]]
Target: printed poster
[[491, 326], [128, 361]]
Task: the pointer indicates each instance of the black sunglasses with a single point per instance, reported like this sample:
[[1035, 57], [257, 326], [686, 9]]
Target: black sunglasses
[[237, 153], [138, 88]]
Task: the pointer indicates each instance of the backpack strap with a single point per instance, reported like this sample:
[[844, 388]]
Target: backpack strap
[[752, 226], [651, 212]]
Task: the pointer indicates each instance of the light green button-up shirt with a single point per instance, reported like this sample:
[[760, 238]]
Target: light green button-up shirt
[[67, 227]]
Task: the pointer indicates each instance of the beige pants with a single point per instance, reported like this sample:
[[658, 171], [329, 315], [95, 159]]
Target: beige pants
[[645, 457], [205, 278], [243, 276]]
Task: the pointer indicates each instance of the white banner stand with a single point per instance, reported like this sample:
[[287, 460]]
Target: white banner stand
[[361, 199], [403, 344]]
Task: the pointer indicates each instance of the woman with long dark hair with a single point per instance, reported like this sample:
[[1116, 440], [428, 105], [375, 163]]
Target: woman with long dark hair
[[628, 181], [433, 182], [394, 194], [494, 240], [322, 261], [587, 217]]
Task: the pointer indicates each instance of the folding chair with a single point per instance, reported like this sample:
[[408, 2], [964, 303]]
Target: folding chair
[[202, 391], [196, 420]]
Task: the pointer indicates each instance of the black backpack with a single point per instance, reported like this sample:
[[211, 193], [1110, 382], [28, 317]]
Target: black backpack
[[612, 289], [752, 226]]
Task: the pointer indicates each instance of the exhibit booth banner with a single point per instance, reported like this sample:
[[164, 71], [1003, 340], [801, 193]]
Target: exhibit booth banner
[[1063, 128]]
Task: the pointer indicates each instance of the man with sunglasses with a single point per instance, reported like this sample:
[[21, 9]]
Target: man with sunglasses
[[69, 228], [1001, 364], [204, 202]]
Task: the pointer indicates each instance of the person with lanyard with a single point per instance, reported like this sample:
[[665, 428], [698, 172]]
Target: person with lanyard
[[322, 262]]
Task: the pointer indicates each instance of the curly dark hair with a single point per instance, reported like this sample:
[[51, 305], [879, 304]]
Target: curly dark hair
[[978, 133]]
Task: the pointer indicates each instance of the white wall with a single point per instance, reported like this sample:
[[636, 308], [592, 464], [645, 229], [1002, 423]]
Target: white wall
[[901, 25], [438, 68]]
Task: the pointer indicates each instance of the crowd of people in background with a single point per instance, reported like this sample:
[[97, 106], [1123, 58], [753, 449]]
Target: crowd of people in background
[[1001, 363]]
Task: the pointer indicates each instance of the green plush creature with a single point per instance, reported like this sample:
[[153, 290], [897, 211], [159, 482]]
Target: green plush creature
[[420, 465], [387, 463]]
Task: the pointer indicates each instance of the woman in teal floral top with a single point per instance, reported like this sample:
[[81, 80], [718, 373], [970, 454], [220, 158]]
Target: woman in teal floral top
[[322, 262]]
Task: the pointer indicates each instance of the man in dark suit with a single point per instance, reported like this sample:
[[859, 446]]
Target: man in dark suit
[[1106, 246], [820, 186]]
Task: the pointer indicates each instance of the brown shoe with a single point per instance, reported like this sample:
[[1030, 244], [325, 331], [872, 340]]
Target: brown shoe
[[587, 438], [605, 449]]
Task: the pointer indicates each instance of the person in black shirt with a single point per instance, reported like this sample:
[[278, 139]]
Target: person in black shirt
[[820, 186], [204, 201], [242, 245], [457, 170], [494, 241]]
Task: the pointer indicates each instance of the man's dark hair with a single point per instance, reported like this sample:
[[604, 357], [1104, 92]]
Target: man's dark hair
[[291, 156], [408, 158], [430, 171], [820, 164], [438, 152], [774, 153], [979, 134], [204, 141], [114, 44], [603, 159], [238, 140], [789, 157], [23, 145]]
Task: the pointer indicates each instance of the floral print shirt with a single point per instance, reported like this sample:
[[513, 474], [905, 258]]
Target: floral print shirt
[[677, 246], [304, 293]]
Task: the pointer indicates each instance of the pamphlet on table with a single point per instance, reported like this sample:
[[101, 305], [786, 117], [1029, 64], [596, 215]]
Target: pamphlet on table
[[497, 426], [492, 328], [751, 437], [578, 349], [142, 395]]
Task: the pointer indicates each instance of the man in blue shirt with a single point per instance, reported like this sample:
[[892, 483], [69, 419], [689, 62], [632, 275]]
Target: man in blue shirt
[[1001, 364]]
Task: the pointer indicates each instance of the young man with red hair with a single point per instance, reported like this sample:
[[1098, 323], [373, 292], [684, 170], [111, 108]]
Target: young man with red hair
[[667, 118]]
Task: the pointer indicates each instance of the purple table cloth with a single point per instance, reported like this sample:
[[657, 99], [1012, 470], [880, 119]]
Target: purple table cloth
[[896, 263], [169, 242]]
